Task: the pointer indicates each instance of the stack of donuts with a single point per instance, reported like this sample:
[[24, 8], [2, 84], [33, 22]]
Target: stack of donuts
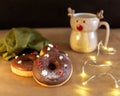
[[51, 67]]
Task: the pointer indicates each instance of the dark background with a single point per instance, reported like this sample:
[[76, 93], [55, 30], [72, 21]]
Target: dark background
[[53, 13]]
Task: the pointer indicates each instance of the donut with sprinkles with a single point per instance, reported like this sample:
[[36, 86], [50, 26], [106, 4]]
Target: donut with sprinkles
[[22, 65], [52, 69]]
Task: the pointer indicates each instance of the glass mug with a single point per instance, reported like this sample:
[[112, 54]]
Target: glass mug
[[84, 26]]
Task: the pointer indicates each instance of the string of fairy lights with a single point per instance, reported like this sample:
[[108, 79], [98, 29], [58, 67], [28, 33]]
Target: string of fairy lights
[[93, 61]]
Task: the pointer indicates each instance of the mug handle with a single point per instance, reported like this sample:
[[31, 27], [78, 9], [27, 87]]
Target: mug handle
[[107, 32]]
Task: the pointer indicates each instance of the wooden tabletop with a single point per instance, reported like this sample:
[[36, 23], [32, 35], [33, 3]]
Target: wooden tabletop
[[102, 85]]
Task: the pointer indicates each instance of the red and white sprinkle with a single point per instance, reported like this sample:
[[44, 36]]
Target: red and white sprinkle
[[39, 63], [16, 57], [60, 57], [48, 49], [44, 73], [23, 54], [20, 61], [66, 54], [50, 45], [33, 53], [56, 46], [37, 56], [46, 55], [61, 72], [65, 65]]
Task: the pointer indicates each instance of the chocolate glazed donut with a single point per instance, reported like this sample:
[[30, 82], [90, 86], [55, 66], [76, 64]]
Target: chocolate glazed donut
[[52, 69], [22, 65]]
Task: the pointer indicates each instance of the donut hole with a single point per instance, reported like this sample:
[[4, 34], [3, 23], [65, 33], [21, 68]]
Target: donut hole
[[52, 66]]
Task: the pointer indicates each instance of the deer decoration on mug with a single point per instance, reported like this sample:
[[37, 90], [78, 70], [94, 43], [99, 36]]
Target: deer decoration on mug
[[84, 26]]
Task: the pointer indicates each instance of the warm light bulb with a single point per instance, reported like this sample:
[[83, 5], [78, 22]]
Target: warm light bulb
[[105, 48], [82, 91], [116, 86], [109, 63], [110, 49], [84, 83], [115, 92], [83, 74], [93, 58]]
